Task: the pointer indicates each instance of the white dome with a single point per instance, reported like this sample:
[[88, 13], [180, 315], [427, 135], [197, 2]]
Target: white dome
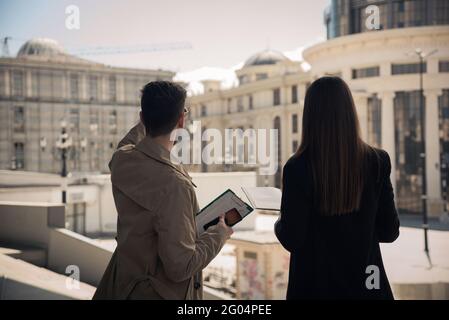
[[266, 57], [41, 47]]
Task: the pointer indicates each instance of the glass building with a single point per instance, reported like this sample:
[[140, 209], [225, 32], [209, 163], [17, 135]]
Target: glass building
[[344, 17]]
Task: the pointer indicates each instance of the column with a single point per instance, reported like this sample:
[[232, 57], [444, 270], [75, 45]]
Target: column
[[28, 86], [388, 125], [432, 150], [346, 74], [361, 103]]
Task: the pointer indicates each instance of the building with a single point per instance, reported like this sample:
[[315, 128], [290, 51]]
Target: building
[[90, 208], [44, 88], [382, 69], [268, 96], [345, 17]]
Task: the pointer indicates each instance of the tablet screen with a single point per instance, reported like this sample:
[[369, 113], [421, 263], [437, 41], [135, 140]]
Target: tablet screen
[[232, 217]]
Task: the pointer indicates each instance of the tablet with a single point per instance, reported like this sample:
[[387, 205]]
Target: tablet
[[229, 204]]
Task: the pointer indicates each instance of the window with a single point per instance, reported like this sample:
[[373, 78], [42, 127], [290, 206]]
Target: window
[[443, 66], [113, 122], [74, 86], [240, 104], [250, 102], [229, 106], [443, 104], [410, 13], [19, 119], [94, 119], [2, 82], [277, 97], [203, 110], [74, 119], [374, 121], [408, 139], [19, 156], [295, 123], [250, 255], [407, 68], [294, 146], [35, 84], [365, 72], [75, 217], [112, 88], [17, 83], [294, 94], [261, 76], [93, 88]]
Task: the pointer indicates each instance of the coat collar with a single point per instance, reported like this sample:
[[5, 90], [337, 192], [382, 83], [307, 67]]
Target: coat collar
[[154, 150]]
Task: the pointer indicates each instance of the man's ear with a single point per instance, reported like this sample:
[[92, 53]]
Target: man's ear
[[181, 121]]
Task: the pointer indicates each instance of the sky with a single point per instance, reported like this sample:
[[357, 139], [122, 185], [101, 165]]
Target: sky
[[220, 34]]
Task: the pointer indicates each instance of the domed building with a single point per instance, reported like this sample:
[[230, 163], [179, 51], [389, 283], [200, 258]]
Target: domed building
[[266, 57], [266, 64], [44, 86], [382, 67]]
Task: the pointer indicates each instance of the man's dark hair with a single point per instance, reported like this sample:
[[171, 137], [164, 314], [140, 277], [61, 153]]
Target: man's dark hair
[[162, 103]]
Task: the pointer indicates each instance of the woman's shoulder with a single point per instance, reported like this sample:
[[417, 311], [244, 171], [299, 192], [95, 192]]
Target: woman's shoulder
[[296, 163], [379, 160], [377, 154]]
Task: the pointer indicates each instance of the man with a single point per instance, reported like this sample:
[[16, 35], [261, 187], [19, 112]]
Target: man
[[159, 254]]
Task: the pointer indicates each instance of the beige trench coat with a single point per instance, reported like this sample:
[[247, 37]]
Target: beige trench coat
[[158, 254]]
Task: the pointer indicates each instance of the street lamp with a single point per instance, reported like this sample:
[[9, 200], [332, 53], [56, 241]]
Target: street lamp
[[422, 56], [63, 144], [43, 143]]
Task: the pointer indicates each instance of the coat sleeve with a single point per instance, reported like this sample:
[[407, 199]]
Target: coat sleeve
[[182, 253], [387, 220], [291, 227]]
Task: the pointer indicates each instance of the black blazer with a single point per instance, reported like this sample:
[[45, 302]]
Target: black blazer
[[330, 254]]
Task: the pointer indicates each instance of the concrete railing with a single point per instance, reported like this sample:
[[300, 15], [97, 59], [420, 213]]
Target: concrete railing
[[41, 225], [67, 248]]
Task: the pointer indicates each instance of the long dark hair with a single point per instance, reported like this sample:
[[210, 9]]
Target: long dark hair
[[336, 152]]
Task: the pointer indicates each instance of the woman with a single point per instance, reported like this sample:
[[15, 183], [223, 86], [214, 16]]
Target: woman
[[337, 203]]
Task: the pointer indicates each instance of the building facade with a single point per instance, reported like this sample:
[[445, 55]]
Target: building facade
[[44, 88], [269, 96], [344, 17], [382, 69]]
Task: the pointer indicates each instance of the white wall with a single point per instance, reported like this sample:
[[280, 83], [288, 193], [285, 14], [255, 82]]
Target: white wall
[[101, 215]]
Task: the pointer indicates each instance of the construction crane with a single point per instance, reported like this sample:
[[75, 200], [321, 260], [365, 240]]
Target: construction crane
[[108, 50], [5, 47], [104, 50]]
